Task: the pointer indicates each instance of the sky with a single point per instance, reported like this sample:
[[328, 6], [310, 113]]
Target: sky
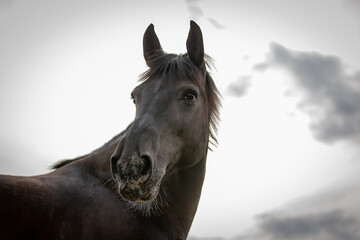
[[287, 163]]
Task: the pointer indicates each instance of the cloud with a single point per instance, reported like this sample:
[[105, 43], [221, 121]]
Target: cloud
[[205, 238], [332, 225], [330, 94], [216, 24], [329, 214], [194, 9], [332, 214], [6, 3], [352, 6], [195, 13], [240, 87]]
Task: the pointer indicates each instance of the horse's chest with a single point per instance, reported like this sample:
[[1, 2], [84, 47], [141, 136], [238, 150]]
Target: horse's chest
[[103, 217]]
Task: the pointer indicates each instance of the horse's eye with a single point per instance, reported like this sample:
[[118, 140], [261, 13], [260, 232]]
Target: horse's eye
[[190, 96]]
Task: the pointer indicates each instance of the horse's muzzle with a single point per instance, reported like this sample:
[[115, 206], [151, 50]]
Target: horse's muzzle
[[134, 177]]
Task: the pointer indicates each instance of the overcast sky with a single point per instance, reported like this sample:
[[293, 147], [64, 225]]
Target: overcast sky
[[288, 159]]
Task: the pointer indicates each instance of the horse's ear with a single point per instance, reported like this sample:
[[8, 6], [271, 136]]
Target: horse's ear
[[151, 44], [195, 45]]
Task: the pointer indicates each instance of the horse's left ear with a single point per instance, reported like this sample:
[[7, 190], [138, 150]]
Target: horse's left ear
[[195, 45], [151, 44]]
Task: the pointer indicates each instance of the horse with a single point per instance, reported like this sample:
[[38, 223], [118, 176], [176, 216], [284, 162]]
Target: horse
[[145, 183]]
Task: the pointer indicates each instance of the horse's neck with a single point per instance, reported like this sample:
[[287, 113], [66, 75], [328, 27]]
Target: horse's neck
[[98, 163], [181, 195]]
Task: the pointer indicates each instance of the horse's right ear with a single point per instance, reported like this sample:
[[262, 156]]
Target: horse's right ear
[[151, 45]]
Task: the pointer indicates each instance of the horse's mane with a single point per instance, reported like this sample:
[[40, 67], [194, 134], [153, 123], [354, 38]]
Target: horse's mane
[[173, 66], [116, 138]]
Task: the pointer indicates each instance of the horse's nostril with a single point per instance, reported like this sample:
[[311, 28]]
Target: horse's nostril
[[146, 166]]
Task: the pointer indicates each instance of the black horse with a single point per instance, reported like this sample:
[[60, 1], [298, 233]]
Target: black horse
[[146, 182]]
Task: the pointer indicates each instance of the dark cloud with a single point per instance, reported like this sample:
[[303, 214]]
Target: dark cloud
[[331, 95], [240, 87], [333, 214], [330, 214], [331, 225], [352, 6], [205, 238], [216, 24], [218, 238], [194, 9], [196, 13], [6, 3]]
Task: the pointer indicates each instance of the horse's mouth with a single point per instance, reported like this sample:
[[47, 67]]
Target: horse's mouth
[[137, 190]]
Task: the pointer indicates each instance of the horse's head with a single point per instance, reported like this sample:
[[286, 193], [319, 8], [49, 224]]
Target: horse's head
[[175, 110]]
